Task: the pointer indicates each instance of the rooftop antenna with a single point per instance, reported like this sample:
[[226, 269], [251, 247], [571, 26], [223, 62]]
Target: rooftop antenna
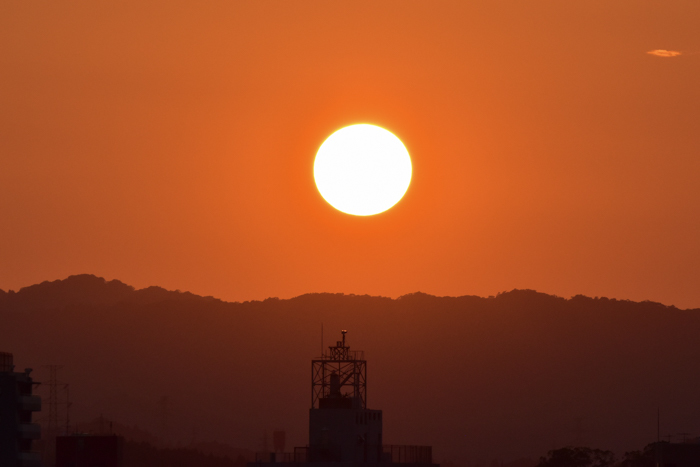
[[657, 448], [322, 338], [68, 404], [53, 418], [164, 407], [339, 369]]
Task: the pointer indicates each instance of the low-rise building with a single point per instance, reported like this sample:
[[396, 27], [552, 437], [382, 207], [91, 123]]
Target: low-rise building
[[17, 404], [88, 450]]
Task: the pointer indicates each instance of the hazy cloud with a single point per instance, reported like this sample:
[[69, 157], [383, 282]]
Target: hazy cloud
[[664, 53]]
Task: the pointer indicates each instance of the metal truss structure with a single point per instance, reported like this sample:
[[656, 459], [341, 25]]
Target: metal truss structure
[[340, 370]]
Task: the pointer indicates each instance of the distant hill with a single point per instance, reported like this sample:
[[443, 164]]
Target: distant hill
[[86, 289], [480, 379]]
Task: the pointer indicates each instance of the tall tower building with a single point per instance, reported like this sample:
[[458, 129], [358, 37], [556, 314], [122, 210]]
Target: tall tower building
[[342, 430], [341, 427], [17, 403]]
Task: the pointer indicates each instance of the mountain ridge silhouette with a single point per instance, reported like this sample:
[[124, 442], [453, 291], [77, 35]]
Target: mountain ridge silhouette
[[95, 290], [88, 289]]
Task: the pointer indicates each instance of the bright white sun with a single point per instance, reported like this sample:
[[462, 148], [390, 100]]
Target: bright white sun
[[362, 170]]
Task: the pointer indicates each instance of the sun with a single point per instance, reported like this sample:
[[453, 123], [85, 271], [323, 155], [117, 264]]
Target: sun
[[362, 170]]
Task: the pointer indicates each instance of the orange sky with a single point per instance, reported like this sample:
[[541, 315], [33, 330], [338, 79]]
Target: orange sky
[[171, 143]]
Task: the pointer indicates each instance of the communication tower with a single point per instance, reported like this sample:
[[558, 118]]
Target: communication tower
[[339, 378], [56, 421]]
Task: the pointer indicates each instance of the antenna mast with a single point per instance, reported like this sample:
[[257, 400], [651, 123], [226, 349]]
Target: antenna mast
[[339, 377], [52, 422]]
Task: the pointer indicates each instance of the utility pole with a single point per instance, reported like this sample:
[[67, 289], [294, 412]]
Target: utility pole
[[164, 419], [53, 419]]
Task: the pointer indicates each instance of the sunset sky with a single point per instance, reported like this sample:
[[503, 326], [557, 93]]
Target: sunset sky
[[555, 145]]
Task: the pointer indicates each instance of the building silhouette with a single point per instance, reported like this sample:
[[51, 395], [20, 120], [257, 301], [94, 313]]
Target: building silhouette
[[17, 403], [342, 429], [89, 450], [685, 454]]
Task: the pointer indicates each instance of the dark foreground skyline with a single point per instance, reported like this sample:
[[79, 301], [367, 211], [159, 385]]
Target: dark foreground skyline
[[478, 378]]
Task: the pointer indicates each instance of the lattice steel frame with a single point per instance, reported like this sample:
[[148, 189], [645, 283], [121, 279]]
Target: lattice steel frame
[[350, 366]]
